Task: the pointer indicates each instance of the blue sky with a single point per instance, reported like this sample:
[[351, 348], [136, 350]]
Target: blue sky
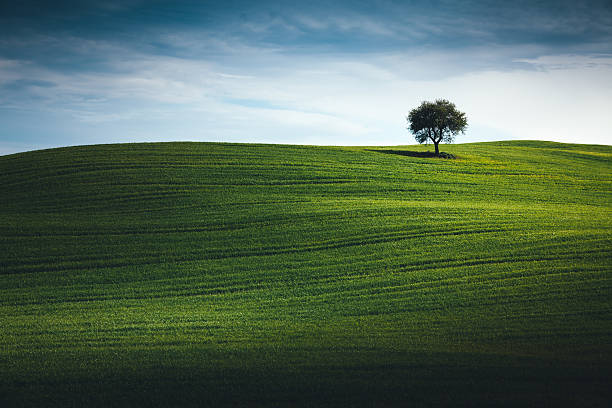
[[319, 72]]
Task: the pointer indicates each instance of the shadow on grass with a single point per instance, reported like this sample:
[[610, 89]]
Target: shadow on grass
[[411, 153]]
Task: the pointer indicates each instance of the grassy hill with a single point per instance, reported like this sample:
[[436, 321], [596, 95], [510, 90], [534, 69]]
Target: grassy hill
[[205, 274]]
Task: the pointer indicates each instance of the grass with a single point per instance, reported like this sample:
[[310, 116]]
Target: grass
[[194, 274]]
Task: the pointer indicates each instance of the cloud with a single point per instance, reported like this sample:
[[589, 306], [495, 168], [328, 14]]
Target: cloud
[[569, 61], [563, 104], [25, 84], [347, 23]]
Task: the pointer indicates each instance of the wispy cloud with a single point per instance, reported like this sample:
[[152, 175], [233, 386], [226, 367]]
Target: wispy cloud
[[569, 61]]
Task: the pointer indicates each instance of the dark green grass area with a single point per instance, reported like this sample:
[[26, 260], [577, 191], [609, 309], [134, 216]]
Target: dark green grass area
[[203, 274]]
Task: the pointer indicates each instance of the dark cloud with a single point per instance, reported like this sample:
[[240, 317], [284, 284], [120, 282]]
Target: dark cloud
[[315, 25], [91, 36], [24, 84]]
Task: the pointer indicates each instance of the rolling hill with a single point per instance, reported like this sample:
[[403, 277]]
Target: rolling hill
[[192, 274]]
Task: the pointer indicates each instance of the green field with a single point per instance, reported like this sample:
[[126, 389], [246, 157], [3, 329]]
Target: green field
[[205, 274]]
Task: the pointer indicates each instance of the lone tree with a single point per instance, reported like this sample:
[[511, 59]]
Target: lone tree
[[436, 121]]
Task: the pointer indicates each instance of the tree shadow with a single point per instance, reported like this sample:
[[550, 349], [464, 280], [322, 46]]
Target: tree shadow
[[413, 153]]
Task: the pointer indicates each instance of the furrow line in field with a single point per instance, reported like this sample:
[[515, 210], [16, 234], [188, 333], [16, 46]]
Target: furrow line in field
[[493, 285], [238, 253], [400, 305], [454, 285], [389, 292], [271, 250], [482, 279], [436, 264]]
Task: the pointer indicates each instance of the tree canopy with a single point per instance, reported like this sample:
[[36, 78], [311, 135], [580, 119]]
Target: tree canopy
[[436, 121]]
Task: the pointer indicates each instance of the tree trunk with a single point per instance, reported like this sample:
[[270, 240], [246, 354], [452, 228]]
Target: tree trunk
[[437, 151]]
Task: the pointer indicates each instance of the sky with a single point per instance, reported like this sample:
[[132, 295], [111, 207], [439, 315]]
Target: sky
[[316, 72]]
